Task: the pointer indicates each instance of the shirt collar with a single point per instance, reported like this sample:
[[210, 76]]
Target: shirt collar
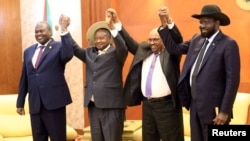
[[104, 50], [213, 36], [38, 44]]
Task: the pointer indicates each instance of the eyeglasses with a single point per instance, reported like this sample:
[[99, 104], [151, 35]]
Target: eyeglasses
[[153, 39]]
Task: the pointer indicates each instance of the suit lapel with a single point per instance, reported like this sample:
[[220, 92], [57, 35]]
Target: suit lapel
[[195, 52], [164, 61], [211, 48], [50, 46], [31, 54], [141, 55]]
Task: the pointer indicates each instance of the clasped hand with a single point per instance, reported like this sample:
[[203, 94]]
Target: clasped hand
[[164, 15]]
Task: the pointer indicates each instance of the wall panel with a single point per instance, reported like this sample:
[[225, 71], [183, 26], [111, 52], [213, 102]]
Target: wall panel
[[10, 46]]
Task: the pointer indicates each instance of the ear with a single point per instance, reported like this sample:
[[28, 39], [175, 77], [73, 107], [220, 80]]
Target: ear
[[217, 23], [50, 33]]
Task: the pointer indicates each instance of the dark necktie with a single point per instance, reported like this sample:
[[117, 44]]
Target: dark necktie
[[39, 56], [149, 77], [197, 67]]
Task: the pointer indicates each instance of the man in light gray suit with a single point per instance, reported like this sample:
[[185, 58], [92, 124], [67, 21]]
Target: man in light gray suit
[[104, 95]]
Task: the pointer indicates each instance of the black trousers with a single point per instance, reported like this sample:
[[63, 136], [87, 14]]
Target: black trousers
[[161, 121], [106, 124], [49, 123]]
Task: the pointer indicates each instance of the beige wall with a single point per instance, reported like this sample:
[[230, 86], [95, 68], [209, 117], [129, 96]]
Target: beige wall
[[31, 13]]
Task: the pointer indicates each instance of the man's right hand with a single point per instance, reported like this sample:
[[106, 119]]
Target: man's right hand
[[64, 22], [164, 15], [113, 13], [20, 111], [111, 18]]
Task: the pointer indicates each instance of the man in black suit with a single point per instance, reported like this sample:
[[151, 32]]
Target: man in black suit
[[210, 82], [104, 94], [162, 114], [45, 84]]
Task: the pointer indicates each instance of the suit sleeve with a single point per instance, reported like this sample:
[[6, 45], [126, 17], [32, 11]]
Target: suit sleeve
[[130, 42], [121, 48], [176, 34], [67, 51], [172, 40], [23, 86], [77, 50], [231, 56]]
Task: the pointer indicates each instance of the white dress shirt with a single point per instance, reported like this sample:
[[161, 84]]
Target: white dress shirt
[[160, 87], [37, 51]]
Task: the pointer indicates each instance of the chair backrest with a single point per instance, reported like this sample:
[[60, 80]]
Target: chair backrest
[[8, 104], [240, 108], [240, 112], [186, 121]]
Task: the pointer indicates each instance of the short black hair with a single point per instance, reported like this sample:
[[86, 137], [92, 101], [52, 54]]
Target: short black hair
[[104, 29]]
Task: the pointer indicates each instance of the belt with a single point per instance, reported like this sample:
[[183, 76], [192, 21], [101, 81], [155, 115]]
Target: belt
[[159, 99], [91, 103]]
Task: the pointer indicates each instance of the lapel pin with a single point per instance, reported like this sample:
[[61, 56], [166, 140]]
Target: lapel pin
[[50, 47]]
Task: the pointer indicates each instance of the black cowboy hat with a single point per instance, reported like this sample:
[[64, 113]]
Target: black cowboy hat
[[213, 11]]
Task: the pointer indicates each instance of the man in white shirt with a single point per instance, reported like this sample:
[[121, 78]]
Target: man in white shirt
[[162, 114]]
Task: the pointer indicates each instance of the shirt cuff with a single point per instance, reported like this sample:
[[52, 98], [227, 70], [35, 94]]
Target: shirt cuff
[[114, 32], [170, 26], [64, 33], [118, 26]]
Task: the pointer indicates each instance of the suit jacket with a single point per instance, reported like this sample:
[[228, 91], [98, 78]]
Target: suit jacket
[[104, 73], [170, 65], [45, 85], [218, 78]]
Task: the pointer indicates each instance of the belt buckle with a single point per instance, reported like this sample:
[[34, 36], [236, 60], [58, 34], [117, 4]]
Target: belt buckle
[[159, 99], [151, 100]]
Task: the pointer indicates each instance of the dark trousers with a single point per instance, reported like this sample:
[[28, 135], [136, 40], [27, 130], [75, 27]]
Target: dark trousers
[[199, 131], [106, 124], [49, 124], [161, 121]]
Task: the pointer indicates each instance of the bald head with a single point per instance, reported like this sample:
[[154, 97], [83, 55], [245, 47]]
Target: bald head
[[155, 41], [154, 32], [45, 24]]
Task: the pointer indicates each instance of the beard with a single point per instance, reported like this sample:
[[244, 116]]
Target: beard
[[208, 33]]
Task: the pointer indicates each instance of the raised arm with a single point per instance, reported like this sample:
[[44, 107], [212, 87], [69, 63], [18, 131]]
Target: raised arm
[[121, 48], [132, 45], [67, 39]]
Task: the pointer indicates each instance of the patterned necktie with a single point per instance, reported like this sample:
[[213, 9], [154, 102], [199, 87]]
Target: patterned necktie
[[39, 56], [197, 68], [149, 77], [101, 52]]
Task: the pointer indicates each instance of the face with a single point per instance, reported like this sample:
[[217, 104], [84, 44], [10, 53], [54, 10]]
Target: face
[[208, 26], [43, 32], [155, 41], [102, 39]]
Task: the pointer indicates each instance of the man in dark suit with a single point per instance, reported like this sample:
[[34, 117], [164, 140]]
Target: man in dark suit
[[213, 83], [104, 95], [43, 79], [162, 114]]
